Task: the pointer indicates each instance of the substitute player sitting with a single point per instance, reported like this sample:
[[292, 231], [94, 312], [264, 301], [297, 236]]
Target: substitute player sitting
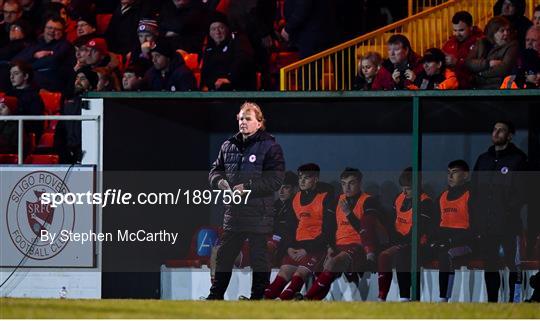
[[313, 208]]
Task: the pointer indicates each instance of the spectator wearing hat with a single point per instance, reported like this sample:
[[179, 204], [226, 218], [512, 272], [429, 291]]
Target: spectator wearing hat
[[527, 74], [8, 129], [52, 57], [184, 23], [169, 72], [94, 53], [514, 11], [493, 57], [86, 25], [67, 138], [132, 80], [435, 74], [228, 59], [148, 32]]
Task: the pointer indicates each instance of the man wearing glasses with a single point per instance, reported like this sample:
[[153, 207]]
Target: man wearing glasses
[[12, 12]]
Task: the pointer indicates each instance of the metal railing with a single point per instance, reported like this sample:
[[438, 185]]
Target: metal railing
[[21, 119], [336, 68], [416, 6]]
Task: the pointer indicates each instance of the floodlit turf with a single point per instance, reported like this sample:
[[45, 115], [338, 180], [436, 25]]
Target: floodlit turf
[[75, 309]]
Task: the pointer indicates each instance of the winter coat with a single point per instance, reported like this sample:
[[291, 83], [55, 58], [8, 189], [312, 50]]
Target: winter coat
[[461, 50], [499, 191], [121, 34], [232, 59], [484, 76], [257, 163], [444, 81], [383, 80], [177, 78]]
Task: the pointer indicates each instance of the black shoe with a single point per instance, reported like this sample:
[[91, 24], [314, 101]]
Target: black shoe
[[298, 296], [243, 298], [212, 297]]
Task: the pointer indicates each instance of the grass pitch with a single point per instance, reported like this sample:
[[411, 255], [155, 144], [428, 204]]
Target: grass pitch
[[155, 309]]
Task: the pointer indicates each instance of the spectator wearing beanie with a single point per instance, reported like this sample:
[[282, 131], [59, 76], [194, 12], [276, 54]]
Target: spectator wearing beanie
[[169, 71], [435, 74], [86, 25], [228, 59], [514, 11], [148, 32], [184, 23]]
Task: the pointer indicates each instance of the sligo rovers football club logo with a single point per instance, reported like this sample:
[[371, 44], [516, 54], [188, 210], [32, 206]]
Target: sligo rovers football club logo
[[28, 218]]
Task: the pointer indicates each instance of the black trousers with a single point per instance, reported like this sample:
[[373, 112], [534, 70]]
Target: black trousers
[[497, 259], [447, 255], [229, 247]]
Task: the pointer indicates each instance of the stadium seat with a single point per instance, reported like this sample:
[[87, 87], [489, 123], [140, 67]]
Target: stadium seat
[[9, 159], [200, 249], [102, 22], [52, 101], [46, 141], [42, 159], [192, 61]]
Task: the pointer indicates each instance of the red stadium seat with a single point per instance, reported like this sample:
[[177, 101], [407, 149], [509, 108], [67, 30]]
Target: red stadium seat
[[46, 140], [193, 259], [102, 22], [52, 101], [9, 159], [42, 159]]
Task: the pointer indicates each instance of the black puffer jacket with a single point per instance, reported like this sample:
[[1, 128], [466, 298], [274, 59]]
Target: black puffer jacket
[[499, 189], [257, 163]]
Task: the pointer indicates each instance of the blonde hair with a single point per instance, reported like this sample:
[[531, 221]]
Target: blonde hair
[[256, 109]]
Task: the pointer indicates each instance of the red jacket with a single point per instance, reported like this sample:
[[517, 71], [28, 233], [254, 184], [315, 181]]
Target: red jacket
[[383, 80], [461, 50]]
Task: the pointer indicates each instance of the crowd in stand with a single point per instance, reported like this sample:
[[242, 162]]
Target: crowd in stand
[[69, 47]]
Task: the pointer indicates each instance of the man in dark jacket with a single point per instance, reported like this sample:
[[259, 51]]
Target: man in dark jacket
[[498, 189], [169, 71], [185, 23], [52, 57], [228, 59], [121, 33], [250, 164]]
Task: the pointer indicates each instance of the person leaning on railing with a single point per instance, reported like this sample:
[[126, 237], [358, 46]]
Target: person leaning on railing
[[493, 57]]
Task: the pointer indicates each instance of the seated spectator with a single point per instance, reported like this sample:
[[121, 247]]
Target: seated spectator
[[58, 10], [457, 48], [107, 80], [18, 41], [532, 39], [228, 59], [369, 66], [67, 138], [185, 23], [493, 57], [93, 52], [121, 33], [527, 75], [12, 11], [86, 25], [29, 101], [536, 16], [132, 80], [397, 71], [51, 57], [435, 74], [169, 72], [8, 129], [514, 11], [148, 32], [33, 12]]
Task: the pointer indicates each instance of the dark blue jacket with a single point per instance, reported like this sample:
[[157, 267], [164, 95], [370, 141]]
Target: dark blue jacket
[[178, 78], [257, 163]]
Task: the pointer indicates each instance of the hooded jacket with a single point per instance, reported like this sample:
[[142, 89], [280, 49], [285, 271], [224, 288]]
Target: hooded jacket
[[257, 163]]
